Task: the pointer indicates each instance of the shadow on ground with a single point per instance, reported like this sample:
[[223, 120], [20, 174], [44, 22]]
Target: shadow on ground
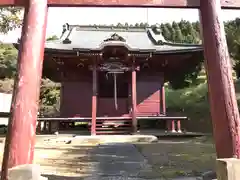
[[163, 159], [99, 162], [55, 177]]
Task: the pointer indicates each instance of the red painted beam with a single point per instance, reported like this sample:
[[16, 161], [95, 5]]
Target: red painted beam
[[222, 97], [230, 4], [20, 139]]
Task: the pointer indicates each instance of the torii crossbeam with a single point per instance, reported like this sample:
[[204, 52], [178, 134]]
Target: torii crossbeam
[[20, 140], [226, 4]]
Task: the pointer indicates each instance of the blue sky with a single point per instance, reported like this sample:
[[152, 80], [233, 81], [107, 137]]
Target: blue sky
[[58, 16]]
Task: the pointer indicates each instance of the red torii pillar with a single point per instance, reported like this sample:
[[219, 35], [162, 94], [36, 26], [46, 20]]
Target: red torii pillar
[[20, 139], [224, 109]]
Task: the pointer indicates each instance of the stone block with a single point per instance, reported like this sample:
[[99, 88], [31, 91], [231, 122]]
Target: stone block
[[228, 169], [209, 175], [25, 172]]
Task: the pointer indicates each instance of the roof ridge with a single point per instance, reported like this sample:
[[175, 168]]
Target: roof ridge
[[105, 27], [109, 26], [182, 44]]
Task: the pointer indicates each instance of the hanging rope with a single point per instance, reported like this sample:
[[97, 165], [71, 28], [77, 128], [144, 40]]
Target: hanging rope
[[115, 90]]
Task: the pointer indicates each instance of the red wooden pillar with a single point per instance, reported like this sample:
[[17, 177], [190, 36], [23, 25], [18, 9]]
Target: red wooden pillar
[[172, 126], [163, 107], [20, 139], [39, 129], [94, 98], [224, 110], [163, 100], [130, 95], [179, 127], [134, 99]]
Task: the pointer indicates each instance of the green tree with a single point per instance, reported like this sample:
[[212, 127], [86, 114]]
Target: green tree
[[52, 38], [232, 29], [50, 92], [197, 27], [120, 25], [183, 26], [192, 36], [49, 98], [178, 34], [165, 32], [186, 75], [10, 18], [142, 25], [146, 25], [8, 61], [169, 26], [173, 33], [137, 25]]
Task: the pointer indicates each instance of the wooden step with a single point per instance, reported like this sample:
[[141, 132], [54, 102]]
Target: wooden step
[[113, 132], [125, 120], [114, 129], [122, 125]]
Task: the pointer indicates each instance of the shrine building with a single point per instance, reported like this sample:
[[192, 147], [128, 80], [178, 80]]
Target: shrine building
[[116, 75]]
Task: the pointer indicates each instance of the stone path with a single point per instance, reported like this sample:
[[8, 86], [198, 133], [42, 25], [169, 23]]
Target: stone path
[[107, 161], [120, 162]]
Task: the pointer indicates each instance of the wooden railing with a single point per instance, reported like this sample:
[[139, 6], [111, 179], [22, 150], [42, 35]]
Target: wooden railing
[[173, 122], [4, 114]]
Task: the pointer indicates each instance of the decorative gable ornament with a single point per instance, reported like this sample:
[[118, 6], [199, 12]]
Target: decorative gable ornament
[[115, 37], [113, 67]]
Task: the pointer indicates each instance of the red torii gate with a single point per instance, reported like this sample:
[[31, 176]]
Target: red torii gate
[[19, 146]]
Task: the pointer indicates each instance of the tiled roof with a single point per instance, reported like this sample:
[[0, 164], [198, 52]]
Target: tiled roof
[[135, 39]]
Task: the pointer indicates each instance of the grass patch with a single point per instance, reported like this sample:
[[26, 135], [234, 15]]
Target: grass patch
[[193, 102], [180, 158]]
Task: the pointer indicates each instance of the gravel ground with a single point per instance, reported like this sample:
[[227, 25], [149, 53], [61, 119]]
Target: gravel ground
[[161, 160], [61, 161], [93, 161]]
